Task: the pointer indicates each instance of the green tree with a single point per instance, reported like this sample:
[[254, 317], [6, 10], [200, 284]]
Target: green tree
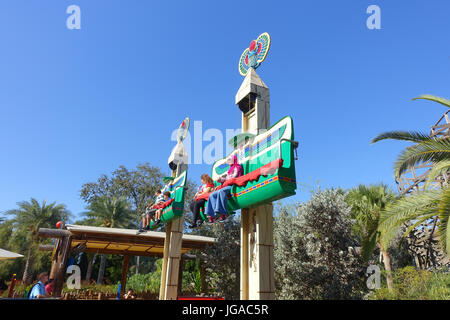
[[222, 258], [109, 212], [430, 203], [367, 203], [26, 221], [15, 244], [315, 254], [136, 186]]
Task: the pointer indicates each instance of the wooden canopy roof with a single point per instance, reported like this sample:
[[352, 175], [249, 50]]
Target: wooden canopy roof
[[123, 241]]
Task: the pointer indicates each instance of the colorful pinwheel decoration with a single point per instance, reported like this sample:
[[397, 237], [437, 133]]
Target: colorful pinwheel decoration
[[255, 54]]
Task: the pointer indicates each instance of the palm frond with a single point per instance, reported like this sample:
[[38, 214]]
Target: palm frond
[[368, 246], [389, 233], [412, 136], [430, 97], [432, 150], [409, 207], [366, 203], [110, 212], [444, 215], [419, 221], [405, 209]]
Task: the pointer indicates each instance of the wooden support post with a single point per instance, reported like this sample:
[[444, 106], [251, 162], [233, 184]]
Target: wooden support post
[[123, 281], [257, 278], [260, 269], [11, 286], [180, 277], [174, 257], [203, 276], [172, 252], [244, 253], [53, 269], [59, 267], [162, 288]]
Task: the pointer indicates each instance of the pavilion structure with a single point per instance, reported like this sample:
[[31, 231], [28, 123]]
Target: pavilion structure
[[74, 239]]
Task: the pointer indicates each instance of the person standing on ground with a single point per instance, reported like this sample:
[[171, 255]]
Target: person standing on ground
[[38, 290]]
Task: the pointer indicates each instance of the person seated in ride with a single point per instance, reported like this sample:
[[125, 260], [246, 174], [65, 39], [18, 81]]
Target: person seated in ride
[[151, 210], [146, 217], [217, 201], [206, 187], [160, 209]]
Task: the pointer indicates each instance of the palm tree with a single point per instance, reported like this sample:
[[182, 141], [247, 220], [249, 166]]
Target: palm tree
[[110, 212], [430, 203], [367, 202], [28, 218]]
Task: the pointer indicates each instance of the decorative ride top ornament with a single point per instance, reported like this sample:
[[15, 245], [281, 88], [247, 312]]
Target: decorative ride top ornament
[[183, 130], [179, 155], [255, 54]]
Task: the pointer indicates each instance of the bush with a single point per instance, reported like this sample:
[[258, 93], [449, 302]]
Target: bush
[[192, 277], [148, 282], [412, 284], [315, 256], [222, 260]]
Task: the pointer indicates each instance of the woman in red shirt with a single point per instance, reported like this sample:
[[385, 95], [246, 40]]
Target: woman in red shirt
[[206, 187]]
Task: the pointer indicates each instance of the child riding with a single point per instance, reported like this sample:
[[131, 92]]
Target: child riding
[[150, 211], [159, 209], [206, 187]]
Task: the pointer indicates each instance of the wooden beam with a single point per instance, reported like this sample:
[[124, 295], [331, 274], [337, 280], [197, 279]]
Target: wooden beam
[[129, 252], [187, 244], [127, 240], [116, 239], [53, 233], [46, 247], [188, 256]]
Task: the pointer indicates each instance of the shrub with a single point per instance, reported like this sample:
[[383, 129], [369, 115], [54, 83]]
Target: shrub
[[222, 260], [315, 256], [412, 284]]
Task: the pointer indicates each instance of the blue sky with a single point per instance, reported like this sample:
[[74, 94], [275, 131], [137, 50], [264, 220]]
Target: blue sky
[[75, 104]]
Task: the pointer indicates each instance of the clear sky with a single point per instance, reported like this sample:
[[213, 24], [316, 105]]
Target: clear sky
[[75, 104]]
